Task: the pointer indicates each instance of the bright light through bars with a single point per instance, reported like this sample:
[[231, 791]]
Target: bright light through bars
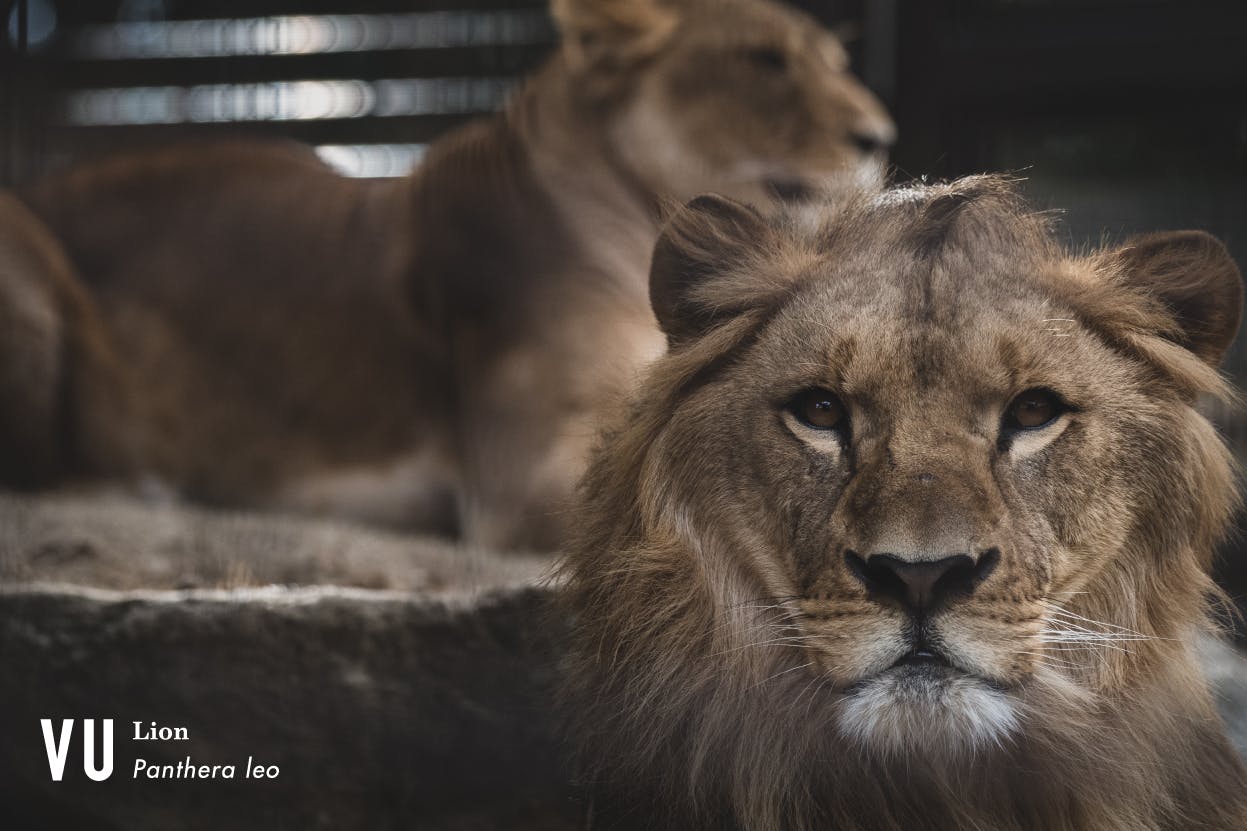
[[287, 101], [312, 34], [372, 161]]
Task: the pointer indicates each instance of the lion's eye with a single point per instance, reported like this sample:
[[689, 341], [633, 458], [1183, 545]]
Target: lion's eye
[[819, 409], [767, 57], [1033, 409]]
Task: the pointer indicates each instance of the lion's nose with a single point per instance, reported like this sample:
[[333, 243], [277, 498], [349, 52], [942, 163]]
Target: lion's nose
[[921, 585]]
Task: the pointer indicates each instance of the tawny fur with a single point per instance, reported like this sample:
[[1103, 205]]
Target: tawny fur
[[730, 672], [431, 352]]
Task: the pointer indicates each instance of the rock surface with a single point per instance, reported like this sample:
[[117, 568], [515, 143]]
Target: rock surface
[[121, 544], [381, 709], [396, 682]]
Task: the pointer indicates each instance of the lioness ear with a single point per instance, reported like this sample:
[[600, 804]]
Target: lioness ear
[[605, 35], [1196, 279], [704, 242]]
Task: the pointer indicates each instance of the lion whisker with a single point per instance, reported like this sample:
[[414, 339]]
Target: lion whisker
[[787, 640], [822, 683], [1078, 634], [783, 672], [1086, 644], [1066, 613], [1090, 637], [1075, 637], [1047, 657]]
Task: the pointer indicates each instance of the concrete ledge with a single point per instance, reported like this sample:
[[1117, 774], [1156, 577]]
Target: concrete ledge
[[415, 692], [397, 682], [118, 543], [382, 710]]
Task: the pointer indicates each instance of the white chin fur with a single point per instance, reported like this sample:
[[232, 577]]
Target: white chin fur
[[903, 714]]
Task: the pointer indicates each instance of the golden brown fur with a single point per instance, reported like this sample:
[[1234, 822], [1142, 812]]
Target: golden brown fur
[[429, 352], [743, 657]]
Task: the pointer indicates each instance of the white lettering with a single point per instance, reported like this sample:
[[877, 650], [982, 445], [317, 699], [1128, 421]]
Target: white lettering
[[156, 732], [88, 750], [57, 751]]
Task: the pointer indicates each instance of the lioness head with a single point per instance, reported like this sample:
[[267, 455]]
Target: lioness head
[[915, 493], [744, 97]]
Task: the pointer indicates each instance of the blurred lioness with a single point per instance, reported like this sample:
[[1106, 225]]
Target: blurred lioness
[[243, 326]]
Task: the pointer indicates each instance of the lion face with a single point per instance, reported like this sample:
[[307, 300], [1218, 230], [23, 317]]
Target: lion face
[[899, 459], [930, 451], [740, 97], [948, 451], [929, 464]]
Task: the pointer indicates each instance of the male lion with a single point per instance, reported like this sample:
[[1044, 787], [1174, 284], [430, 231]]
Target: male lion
[[910, 529], [245, 326]]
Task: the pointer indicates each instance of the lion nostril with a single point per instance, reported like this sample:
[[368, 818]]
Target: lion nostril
[[858, 568], [920, 585], [874, 575], [987, 563]]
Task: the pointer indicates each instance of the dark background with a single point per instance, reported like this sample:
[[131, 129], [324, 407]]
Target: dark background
[[1129, 115]]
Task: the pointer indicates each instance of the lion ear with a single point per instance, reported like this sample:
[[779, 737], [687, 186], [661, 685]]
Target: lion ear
[[607, 35], [703, 246], [1193, 275]]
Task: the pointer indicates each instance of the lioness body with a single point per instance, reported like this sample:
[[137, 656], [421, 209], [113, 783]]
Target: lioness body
[[322, 351], [910, 529], [429, 352]]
